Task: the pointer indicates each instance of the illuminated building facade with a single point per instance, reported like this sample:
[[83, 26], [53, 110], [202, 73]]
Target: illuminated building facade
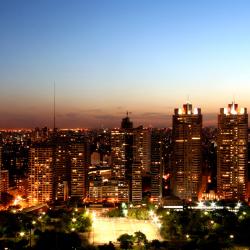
[[4, 181], [137, 182], [118, 153], [141, 161], [114, 191], [187, 157], [78, 170], [40, 174], [122, 152], [232, 155], [156, 169], [61, 173], [142, 147]]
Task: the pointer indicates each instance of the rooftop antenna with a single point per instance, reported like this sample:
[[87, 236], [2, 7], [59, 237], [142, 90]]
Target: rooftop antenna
[[127, 113], [188, 99]]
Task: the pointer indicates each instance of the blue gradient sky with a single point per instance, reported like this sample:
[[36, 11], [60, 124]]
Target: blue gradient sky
[[111, 56]]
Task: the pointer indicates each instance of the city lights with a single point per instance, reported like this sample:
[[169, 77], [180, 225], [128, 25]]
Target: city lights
[[22, 234], [124, 125]]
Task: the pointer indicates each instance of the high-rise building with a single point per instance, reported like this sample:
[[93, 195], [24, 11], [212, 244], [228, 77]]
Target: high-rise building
[[122, 154], [156, 169], [122, 151], [232, 157], [61, 168], [141, 161], [187, 130], [118, 153], [78, 170], [4, 181], [142, 147], [137, 182], [40, 174]]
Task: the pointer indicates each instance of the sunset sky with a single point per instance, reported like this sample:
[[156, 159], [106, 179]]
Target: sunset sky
[[110, 56]]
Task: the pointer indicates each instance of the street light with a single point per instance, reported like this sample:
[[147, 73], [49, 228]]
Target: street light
[[159, 225], [213, 204], [155, 219], [22, 234], [151, 213]]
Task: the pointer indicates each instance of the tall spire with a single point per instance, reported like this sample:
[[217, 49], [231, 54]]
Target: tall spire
[[54, 108]]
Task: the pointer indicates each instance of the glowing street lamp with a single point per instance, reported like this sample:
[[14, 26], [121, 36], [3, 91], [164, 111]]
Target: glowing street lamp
[[200, 204], [155, 219], [74, 220], [21, 234], [151, 213], [238, 205], [231, 236], [213, 205]]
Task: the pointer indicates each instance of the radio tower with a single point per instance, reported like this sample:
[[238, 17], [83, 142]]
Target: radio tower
[[54, 109]]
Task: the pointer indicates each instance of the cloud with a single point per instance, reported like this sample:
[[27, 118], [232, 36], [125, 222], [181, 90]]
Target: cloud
[[91, 118]]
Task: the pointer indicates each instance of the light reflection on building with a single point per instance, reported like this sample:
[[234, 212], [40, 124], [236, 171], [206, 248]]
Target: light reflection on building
[[232, 157]]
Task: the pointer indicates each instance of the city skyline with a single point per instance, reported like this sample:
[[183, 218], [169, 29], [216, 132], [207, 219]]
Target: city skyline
[[107, 58]]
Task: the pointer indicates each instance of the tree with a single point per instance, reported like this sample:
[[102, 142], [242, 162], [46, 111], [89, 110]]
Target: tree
[[126, 241], [6, 199], [52, 240], [140, 238], [109, 246]]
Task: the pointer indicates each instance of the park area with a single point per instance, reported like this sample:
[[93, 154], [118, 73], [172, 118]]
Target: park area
[[106, 229]]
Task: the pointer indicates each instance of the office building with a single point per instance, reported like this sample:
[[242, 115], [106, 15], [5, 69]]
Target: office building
[[156, 169], [136, 182], [78, 170], [187, 156], [4, 181], [40, 174], [232, 154]]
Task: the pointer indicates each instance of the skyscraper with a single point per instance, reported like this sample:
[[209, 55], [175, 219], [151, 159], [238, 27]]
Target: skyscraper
[[78, 170], [118, 153], [187, 128], [232, 149], [141, 160], [4, 181], [136, 182], [61, 168], [122, 151], [40, 174], [156, 168]]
